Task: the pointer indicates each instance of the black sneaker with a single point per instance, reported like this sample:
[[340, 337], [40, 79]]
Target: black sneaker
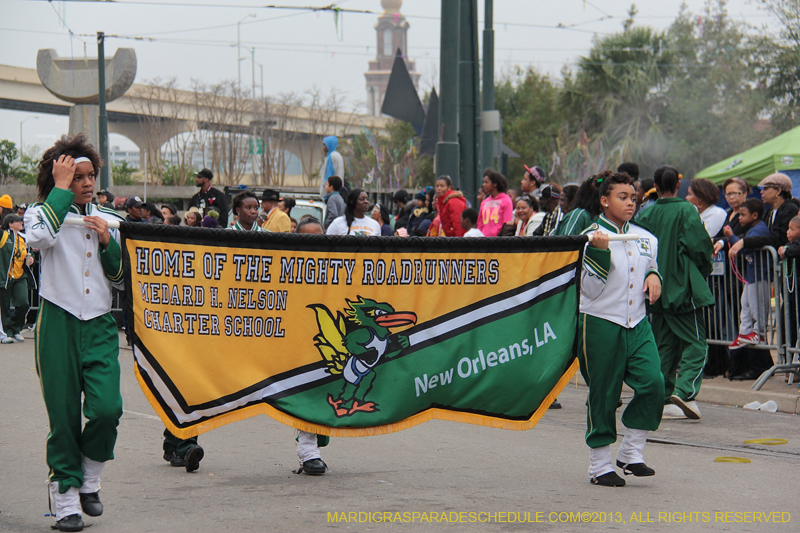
[[72, 522], [176, 460], [637, 469], [90, 503], [610, 479], [315, 467], [168, 456], [193, 457], [555, 404]]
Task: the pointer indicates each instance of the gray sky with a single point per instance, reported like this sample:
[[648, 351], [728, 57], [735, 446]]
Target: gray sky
[[300, 49]]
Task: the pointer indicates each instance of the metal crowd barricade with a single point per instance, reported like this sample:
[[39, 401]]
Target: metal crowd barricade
[[722, 320], [789, 360]]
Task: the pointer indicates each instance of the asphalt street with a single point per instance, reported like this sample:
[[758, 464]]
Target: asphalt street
[[421, 479]]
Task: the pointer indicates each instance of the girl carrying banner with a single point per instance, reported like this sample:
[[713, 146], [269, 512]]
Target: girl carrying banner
[[616, 343], [77, 343]]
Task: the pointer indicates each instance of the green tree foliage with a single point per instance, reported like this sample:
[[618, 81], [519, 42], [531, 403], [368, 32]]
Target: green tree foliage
[[122, 173], [689, 96], [8, 154], [14, 167], [780, 67], [713, 101], [386, 162], [175, 174], [529, 104], [618, 93]]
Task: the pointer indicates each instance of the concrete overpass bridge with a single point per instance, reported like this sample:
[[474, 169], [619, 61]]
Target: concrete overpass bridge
[[150, 116]]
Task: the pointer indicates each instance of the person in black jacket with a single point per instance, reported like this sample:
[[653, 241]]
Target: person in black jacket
[[404, 208], [210, 199], [776, 190]]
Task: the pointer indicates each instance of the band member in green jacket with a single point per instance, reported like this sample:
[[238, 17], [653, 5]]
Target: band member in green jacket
[[684, 260]]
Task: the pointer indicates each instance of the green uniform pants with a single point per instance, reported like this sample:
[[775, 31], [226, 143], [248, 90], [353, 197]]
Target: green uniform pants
[[179, 446], [609, 355], [16, 294], [681, 343], [74, 356]]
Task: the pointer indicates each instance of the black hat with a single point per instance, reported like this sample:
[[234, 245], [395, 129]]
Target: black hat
[[107, 194], [205, 173], [133, 201], [270, 195]]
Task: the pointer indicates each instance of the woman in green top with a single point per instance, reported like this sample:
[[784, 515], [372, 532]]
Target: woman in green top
[[684, 259], [585, 208]]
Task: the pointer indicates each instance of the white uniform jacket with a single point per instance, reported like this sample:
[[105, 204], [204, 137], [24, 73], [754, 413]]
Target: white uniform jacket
[[612, 280], [76, 273]]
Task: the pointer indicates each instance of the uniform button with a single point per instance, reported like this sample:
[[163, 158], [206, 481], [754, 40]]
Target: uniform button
[[630, 253], [87, 273], [631, 269], [87, 291], [87, 236], [631, 285], [631, 302], [88, 254]]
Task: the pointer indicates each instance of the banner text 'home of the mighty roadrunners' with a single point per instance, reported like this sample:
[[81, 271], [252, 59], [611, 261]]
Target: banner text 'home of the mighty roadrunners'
[[349, 336]]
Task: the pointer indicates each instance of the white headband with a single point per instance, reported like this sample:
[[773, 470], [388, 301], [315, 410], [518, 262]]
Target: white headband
[[82, 159]]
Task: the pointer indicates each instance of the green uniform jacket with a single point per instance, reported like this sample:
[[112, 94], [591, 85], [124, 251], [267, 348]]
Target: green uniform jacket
[[574, 222], [8, 243], [684, 255]]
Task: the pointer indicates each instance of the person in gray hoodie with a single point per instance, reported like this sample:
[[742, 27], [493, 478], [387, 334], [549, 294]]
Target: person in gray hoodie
[[333, 199]]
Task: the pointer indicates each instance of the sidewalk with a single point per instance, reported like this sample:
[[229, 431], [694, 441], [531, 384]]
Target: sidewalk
[[720, 390]]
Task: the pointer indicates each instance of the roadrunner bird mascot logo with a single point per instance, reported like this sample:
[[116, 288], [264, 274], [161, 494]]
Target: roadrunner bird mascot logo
[[354, 343]]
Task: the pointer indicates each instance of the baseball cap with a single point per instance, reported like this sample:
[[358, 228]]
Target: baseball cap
[[205, 173], [537, 173], [133, 201]]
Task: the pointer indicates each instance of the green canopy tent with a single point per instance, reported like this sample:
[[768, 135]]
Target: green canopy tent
[[781, 154]]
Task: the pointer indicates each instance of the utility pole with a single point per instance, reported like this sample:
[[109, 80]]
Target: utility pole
[[253, 68], [488, 83], [447, 159], [103, 126], [261, 70], [469, 124], [239, 46]]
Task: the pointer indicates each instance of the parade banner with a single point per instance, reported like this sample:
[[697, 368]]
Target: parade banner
[[349, 336]]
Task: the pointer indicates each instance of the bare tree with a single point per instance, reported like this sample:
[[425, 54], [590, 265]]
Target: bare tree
[[222, 110], [271, 137], [162, 112], [319, 118]]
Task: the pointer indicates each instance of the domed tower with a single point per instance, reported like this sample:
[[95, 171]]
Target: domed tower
[[391, 35]]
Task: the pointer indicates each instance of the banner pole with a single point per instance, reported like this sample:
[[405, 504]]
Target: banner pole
[[114, 224], [72, 221]]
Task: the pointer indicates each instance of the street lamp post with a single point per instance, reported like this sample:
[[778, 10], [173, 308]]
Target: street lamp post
[[261, 69], [20, 134], [239, 45], [253, 69]]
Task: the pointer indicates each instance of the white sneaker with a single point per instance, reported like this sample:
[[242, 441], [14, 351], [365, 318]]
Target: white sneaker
[[7, 340], [672, 412], [690, 409], [19, 338]]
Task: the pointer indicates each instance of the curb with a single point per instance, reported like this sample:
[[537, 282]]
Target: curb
[[787, 402]]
